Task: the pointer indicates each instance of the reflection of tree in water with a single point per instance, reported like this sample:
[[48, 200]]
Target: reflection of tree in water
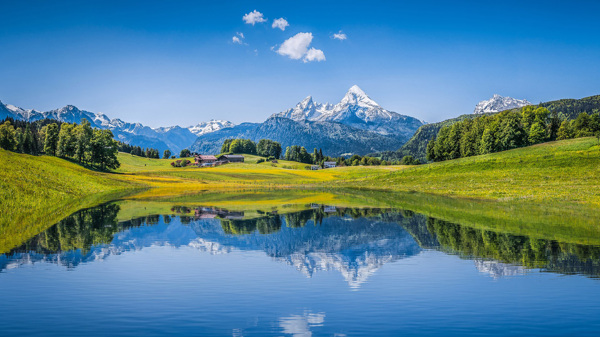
[[97, 226], [79, 231], [550, 255]]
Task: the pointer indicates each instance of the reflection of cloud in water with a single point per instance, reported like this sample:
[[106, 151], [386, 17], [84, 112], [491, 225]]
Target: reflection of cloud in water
[[498, 269], [301, 325]]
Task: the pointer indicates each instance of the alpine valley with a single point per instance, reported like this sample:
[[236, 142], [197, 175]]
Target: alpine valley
[[355, 125]]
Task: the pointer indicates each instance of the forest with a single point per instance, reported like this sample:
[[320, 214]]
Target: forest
[[507, 130], [80, 142]]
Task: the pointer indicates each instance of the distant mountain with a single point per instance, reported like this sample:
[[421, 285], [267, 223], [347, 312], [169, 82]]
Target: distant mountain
[[334, 139], [174, 138], [355, 125], [417, 145], [210, 126], [499, 103], [356, 109]]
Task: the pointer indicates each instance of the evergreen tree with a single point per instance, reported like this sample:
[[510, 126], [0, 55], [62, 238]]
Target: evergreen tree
[[184, 153], [440, 148], [226, 145], [166, 154], [66, 141], [537, 134], [83, 136], [8, 137], [511, 134], [565, 131], [431, 150], [488, 141], [20, 137], [51, 140]]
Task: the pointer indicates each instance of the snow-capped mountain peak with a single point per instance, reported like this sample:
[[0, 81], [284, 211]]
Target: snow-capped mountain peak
[[356, 109], [499, 103], [210, 126], [173, 138], [356, 95]]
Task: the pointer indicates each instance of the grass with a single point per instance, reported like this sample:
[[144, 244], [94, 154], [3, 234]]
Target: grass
[[562, 176], [558, 172], [36, 192]]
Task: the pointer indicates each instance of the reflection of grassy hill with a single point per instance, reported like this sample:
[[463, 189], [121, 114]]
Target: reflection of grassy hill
[[36, 192]]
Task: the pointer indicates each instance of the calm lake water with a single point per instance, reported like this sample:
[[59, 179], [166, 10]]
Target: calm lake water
[[321, 271]]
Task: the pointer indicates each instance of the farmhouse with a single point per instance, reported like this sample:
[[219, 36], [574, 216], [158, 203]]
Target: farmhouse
[[232, 158], [205, 159], [329, 164]]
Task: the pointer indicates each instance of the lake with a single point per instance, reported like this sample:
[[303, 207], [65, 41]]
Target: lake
[[293, 268]]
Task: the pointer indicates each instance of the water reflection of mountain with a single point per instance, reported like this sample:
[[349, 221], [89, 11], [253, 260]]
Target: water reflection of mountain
[[355, 242], [356, 247], [309, 240]]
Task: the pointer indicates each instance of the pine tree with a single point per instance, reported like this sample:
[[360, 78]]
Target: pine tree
[[8, 140]]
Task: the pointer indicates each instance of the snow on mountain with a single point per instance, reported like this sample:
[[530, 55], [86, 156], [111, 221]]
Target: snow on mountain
[[210, 126], [499, 103], [174, 138], [355, 109]]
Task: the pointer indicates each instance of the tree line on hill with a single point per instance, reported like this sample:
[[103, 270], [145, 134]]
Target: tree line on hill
[[272, 150], [507, 130], [80, 142], [265, 147], [141, 152]]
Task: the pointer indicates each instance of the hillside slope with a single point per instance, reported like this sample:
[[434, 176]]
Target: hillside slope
[[38, 190], [555, 173], [416, 146], [334, 138]]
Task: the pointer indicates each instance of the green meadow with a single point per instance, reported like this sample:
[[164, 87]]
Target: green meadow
[[551, 190]]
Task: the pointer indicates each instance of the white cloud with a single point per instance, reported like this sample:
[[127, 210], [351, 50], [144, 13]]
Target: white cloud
[[254, 17], [340, 36], [280, 23], [314, 55], [296, 46], [238, 38]]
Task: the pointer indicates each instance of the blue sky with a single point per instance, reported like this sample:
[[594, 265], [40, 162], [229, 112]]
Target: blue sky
[[175, 62]]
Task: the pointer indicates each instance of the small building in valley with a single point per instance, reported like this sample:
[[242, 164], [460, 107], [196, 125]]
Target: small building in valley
[[205, 159], [315, 167], [232, 158], [329, 164]]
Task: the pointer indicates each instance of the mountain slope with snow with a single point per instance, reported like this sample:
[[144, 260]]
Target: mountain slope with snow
[[173, 138], [499, 103], [210, 126], [356, 109]]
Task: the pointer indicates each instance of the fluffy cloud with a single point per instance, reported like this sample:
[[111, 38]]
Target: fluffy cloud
[[254, 17], [280, 23], [340, 36], [238, 38], [314, 55], [296, 46]]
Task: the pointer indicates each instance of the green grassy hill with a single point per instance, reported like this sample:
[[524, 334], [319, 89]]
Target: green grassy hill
[[563, 176], [40, 190], [558, 172], [417, 144]]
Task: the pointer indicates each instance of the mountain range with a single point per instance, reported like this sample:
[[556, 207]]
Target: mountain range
[[355, 125], [174, 138]]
